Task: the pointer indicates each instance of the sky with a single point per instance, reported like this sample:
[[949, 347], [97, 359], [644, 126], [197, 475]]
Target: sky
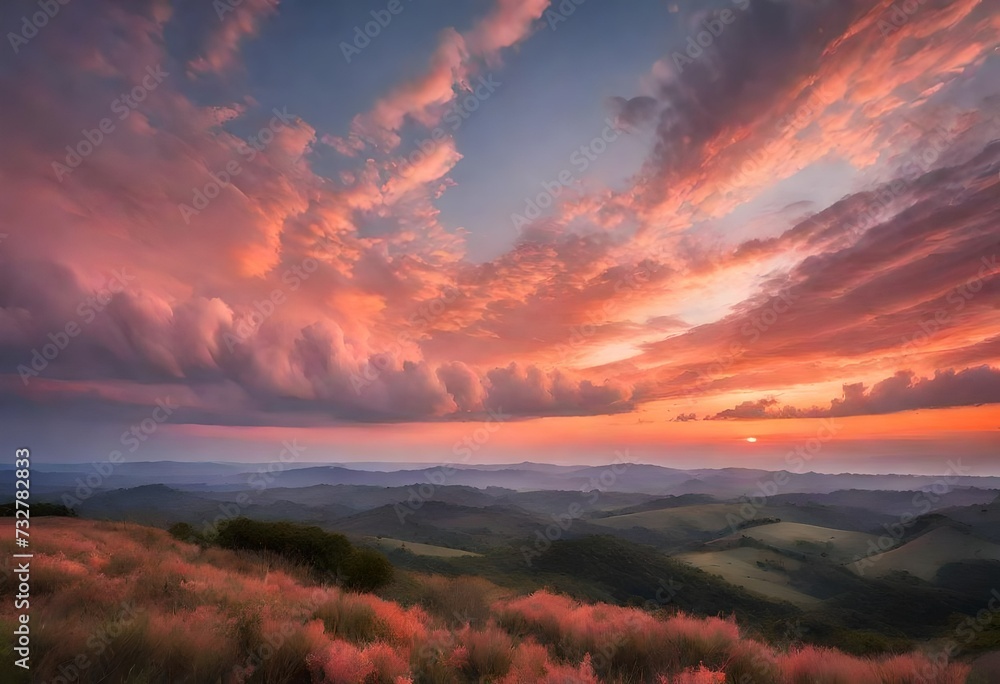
[[503, 230]]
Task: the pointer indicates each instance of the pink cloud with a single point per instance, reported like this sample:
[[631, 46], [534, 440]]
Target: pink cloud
[[237, 22], [451, 66]]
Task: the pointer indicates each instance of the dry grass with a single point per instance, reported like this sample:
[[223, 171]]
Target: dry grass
[[114, 603]]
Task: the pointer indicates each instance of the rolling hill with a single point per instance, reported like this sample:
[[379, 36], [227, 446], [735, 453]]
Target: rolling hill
[[924, 556], [761, 571], [839, 546]]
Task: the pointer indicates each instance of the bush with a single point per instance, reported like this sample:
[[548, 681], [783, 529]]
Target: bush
[[457, 599], [179, 614], [325, 552], [484, 655], [348, 619], [184, 532], [366, 570]]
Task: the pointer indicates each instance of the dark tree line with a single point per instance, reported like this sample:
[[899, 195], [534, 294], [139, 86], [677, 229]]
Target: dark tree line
[[328, 554]]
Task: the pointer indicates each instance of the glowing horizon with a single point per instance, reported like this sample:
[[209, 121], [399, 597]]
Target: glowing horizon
[[476, 221]]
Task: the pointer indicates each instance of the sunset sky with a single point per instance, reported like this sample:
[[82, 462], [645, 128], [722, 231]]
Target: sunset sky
[[652, 228]]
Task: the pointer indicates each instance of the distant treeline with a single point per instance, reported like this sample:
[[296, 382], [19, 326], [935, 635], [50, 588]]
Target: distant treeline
[[37, 509], [757, 522]]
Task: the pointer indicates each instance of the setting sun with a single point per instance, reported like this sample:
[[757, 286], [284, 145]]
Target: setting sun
[[354, 342]]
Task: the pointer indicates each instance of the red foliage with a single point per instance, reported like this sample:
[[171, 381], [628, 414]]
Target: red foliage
[[204, 611], [531, 663], [389, 665], [342, 663], [700, 676], [402, 625]]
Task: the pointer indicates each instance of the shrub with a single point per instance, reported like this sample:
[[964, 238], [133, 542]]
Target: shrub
[[286, 659], [530, 663], [182, 645], [538, 614], [122, 564], [323, 551], [172, 612], [184, 532], [486, 655], [809, 665], [700, 676], [366, 570], [388, 664], [914, 668], [697, 640], [751, 662], [347, 619], [396, 623], [432, 659], [342, 663], [457, 600], [51, 574], [245, 626]]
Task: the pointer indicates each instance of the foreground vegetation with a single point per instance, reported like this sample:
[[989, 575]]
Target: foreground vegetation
[[329, 556], [862, 616], [121, 603]]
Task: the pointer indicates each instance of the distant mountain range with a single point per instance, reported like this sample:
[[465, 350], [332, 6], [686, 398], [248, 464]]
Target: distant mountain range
[[523, 477]]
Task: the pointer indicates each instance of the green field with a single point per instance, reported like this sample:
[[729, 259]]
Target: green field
[[387, 544], [756, 570]]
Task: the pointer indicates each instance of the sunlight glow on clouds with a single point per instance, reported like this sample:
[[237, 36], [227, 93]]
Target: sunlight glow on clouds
[[716, 278]]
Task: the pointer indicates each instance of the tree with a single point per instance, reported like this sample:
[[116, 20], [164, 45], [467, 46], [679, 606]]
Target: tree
[[325, 552], [182, 531], [367, 570]]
